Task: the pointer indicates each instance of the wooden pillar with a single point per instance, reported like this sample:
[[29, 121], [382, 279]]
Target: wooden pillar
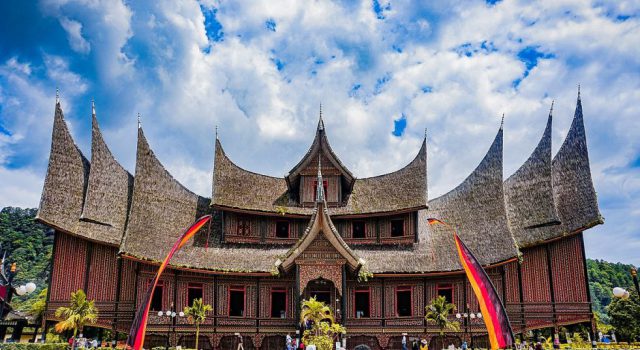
[[46, 305], [343, 314], [297, 292], [553, 295], [594, 326], [117, 303], [258, 304], [521, 297], [215, 304], [87, 266]]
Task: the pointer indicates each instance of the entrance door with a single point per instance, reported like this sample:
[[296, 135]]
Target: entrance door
[[323, 290]]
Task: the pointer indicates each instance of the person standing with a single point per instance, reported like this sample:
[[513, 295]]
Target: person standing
[[404, 342]]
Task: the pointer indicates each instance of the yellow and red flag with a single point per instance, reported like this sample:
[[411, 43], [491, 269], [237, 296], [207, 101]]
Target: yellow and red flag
[[139, 326], [493, 311]]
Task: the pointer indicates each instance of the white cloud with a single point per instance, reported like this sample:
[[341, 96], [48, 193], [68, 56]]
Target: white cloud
[[262, 87], [74, 35]]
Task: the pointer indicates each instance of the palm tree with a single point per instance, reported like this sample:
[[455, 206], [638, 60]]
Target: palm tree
[[197, 313], [315, 311], [438, 312], [324, 331], [79, 312]]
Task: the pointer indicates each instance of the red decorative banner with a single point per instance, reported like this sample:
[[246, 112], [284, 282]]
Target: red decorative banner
[[139, 326], [493, 311]]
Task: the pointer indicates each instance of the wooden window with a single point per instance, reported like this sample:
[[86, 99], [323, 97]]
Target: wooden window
[[278, 303], [237, 301], [445, 290], [397, 228], [194, 291], [362, 303], [282, 229], [243, 227], [156, 298], [403, 301], [359, 229], [315, 190]]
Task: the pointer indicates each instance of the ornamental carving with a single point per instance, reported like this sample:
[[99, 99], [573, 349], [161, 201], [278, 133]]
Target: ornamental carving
[[310, 272]]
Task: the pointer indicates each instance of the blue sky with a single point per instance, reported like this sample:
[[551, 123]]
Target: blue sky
[[383, 70]]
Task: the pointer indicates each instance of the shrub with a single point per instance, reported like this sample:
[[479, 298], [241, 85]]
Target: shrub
[[34, 346]]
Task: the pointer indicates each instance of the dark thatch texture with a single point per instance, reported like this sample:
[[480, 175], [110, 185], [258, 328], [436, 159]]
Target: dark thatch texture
[[162, 209], [235, 187], [66, 182], [475, 208], [400, 190], [320, 144], [529, 196], [573, 191], [108, 195]]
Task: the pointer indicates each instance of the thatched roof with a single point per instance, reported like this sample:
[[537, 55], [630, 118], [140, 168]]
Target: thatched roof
[[573, 192], [162, 208], [321, 224], [320, 144], [529, 196], [475, 208], [400, 190], [486, 212], [66, 181], [108, 196]]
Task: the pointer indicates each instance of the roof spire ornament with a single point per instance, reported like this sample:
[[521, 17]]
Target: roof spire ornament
[[93, 108], [216, 132], [502, 121], [578, 92], [139, 121], [57, 95], [425, 133], [320, 121], [551, 109], [320, 184]]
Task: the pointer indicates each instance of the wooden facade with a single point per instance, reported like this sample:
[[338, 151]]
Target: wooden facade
[[80, 264]]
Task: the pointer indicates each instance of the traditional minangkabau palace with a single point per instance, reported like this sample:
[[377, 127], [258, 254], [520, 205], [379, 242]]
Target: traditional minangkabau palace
[[362, 245]]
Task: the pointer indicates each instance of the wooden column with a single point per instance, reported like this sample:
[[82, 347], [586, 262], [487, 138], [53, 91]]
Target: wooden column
[[46, 305], [553, 295]]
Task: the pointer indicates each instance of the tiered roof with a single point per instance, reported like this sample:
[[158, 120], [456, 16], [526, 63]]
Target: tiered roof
[[66, 181], [543, 200], [108, 195], [399, 191], [529, 196]]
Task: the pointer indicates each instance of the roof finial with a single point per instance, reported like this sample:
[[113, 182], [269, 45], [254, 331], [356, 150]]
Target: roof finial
[[425, 133], [216, 132], [551, 109], [320, 184], [320, 121], [578, 91], [57, 95], [93, 107], [139, 121], [502, 121]]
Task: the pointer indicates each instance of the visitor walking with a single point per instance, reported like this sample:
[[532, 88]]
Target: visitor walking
[[404, 342], [424, 345], [289, 343], [240, 346], [414, 345], [464, 345]]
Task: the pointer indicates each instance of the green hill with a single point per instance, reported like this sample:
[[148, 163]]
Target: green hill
[[603, 277], [29, 245]]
